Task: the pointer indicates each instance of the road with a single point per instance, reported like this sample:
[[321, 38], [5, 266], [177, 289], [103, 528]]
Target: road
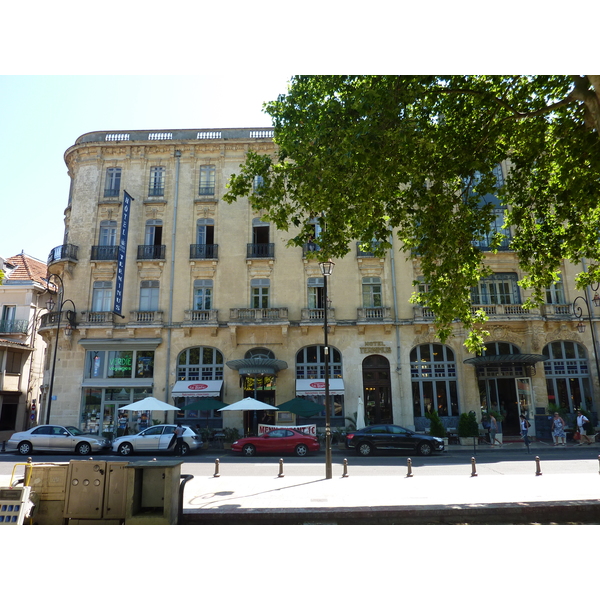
[[498, 462]]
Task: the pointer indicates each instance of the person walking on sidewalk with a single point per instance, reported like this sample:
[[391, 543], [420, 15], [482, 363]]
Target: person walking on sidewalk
[[558, 430], [179, 439], [494, 431], [581, 421], [524, 429]]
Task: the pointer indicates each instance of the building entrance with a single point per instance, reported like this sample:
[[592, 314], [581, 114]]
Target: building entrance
[[510, 397], [377, 390]]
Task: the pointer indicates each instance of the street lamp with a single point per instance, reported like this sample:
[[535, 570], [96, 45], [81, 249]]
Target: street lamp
[[326, 270], [50, 304], [578, 311]]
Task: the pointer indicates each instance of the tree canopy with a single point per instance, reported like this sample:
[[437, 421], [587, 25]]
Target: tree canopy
[[416, 155]]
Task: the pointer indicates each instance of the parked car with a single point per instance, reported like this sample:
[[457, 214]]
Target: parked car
[[392, 437], [277, 440], [56, 438], [156, 439]]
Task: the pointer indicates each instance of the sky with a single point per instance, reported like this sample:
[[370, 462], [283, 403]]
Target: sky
[[42, 116]]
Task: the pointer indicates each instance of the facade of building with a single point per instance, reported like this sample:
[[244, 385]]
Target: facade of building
[[214, 304], [23, 294]]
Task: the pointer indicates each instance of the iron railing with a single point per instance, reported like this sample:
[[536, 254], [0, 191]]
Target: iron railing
[[261, 251], [104, 252], [14, 325], [204, 251], [64, 252], [151, 252]]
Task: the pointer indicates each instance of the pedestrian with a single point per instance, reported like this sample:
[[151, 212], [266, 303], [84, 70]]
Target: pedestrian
[[525, 425], [485, 423], [179, 439], [581, 421], [558, 430], [494, 431]]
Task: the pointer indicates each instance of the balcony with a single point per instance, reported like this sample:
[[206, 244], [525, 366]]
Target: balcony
[[156, 191], [146, 317], [261, 251], [66, 252], [310, 247], [258, 315], [493, 311], [374, 315], [206, 190], [365, 253], [14, 325], [204, 251], [97, 318], [50, 320], [104, 252], [201, 317], [316, 315], [151, 252], [557, 311]]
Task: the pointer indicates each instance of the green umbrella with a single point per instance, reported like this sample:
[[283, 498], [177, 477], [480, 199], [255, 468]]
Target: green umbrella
[[205, 404], [301, 406]]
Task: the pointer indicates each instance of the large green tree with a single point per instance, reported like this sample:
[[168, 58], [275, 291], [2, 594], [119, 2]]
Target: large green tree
[[368, 155]]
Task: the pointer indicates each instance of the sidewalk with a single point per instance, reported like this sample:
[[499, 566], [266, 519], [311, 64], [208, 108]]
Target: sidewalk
[[487, 497]]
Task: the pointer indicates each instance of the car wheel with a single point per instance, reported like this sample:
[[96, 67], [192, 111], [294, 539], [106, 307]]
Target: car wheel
[[25, 448], [364, 449], [125, 449], [424, 449], [248, 450], [83, 449], [301, 450], [184, 449]]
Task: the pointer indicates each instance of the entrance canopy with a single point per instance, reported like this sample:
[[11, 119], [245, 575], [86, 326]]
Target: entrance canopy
[[204, 389], [316, 387], [257, 366], [498, 359]]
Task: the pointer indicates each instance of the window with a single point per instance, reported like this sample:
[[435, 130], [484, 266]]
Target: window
[[102, 296], [157, 181], [207, 180], [500, 288], [153, 235], [316, 297], [258, 182], [201, 363], [555, 294], [371, 292], [497, 228], [260, 293], [203, 291], [125, 364], [310, 363], [205, 232], [108, 233], [149, 295], [112, 185], [13, 362], [9, 312], [434, 385]]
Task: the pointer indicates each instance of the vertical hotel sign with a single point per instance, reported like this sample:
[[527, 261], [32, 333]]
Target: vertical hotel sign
[[118, 308]]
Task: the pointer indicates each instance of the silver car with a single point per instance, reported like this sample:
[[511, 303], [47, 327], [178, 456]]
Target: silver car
[[56, 438], [156, 439]]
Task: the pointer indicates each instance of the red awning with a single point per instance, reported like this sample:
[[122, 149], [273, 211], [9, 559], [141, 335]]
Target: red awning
[[316, 387]]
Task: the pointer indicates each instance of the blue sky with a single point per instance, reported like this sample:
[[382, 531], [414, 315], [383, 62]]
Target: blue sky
[[42, 116]]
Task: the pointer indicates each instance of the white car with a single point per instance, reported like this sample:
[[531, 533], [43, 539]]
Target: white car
[[156, 439], [56, 438]]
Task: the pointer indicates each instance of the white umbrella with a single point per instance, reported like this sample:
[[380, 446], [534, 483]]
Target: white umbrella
[[249, 404], [360, 414], [149, 404]]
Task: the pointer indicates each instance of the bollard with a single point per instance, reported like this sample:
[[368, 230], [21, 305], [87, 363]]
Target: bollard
[[216, 468], [280, 468], [345, 473], [409, 465], [538, 470], [473, 469]]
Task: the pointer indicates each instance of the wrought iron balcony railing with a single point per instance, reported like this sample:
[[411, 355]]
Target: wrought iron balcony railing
[[151, 252], [14, 325], [261, 251], [104, 252], [204, 251], [64, 252]]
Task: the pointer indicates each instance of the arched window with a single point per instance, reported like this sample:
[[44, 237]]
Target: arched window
[[201, 363], [310, 363], [259, 353], [567, 375], [434, 386]]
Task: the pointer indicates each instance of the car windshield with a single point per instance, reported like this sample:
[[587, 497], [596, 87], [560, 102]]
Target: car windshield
[[74, 431]]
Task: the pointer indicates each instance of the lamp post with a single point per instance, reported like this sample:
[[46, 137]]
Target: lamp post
[[326, 270], [50, 304], [578, 312]]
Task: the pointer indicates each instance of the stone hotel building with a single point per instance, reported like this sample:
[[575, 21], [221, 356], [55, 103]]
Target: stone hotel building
[[216, 305]]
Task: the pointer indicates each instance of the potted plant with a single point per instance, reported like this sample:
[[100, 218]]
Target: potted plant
[[230, 435], [468, 429], [206, 433], [436, 427]]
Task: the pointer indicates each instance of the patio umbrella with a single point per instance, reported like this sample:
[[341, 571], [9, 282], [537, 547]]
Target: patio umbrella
[[302, 407], [360, 414], [249, 404], [205, 404], [149, 403]]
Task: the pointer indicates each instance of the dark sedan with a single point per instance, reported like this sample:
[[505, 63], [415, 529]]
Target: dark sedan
[[392, 437]]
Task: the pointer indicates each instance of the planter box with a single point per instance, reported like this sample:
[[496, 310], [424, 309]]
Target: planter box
[[468, 441]]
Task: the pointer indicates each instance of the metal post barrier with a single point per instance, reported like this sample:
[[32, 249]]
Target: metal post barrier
[[345, 473], [409, 465], [280, 468], [599, 464], [217, 474], [473, 468], [538, 470]]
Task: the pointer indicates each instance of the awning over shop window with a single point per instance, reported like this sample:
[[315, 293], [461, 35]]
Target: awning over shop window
[[316, 387], [185, 389]]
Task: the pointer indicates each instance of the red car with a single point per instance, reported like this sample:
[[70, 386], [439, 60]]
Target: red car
[[277, 440]]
